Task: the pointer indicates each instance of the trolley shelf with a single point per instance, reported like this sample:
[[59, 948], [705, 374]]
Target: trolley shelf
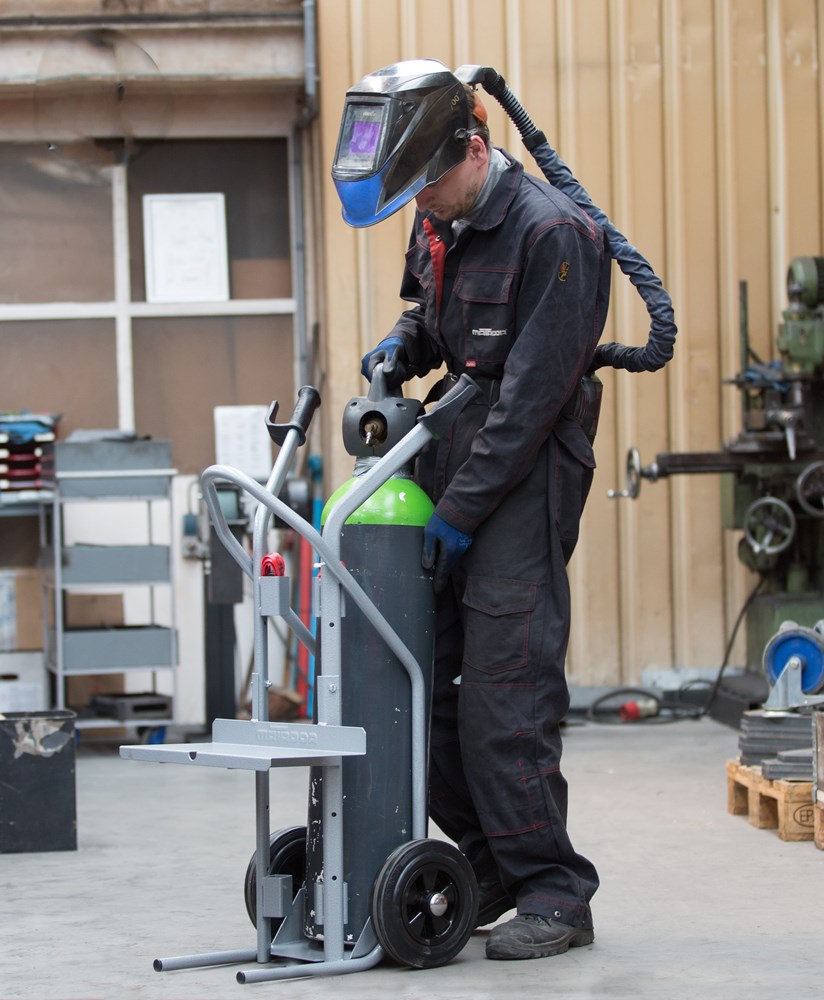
[[258, 746]]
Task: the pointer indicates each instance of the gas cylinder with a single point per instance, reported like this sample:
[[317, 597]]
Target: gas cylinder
[[381, 546]]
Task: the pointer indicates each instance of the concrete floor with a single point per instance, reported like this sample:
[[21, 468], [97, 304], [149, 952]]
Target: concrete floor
[[694, 902]]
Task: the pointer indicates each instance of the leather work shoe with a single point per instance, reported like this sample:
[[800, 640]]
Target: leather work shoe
[[493, 901], [531, 936]]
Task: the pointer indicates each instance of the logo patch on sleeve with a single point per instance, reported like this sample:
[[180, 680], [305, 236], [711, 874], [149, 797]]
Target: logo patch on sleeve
[[563, 271]]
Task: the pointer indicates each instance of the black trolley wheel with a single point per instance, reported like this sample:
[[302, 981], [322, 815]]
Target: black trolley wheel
[[424, 903], [287, 856]]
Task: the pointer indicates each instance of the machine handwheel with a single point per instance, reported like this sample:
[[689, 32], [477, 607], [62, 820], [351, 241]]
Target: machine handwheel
[[287, 856], [633, 475], [424, 903], [809, 489], [633, 471], [769, 526]]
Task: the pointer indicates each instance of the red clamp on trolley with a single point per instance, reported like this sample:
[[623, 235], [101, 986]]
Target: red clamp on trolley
[[273, 564]]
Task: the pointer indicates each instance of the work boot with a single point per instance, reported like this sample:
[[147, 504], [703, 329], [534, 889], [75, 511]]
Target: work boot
[[531, 936], [493, 901]]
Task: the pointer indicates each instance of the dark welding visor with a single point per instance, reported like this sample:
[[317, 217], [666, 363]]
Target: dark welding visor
[[403, 127]]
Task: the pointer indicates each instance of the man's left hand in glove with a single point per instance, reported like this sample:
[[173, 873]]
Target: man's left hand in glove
[[390, 353]]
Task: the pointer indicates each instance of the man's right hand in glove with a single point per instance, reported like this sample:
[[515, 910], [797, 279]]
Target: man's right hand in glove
[[443, 546], [391, 354]]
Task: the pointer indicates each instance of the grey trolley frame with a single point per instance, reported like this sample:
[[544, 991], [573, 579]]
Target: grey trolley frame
[[258, 744]]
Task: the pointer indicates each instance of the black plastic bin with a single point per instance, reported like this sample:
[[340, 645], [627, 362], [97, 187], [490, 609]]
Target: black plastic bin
[[38, 809]]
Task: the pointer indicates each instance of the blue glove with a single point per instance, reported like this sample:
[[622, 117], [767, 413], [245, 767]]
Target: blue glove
[[443, 546], [391, 354]]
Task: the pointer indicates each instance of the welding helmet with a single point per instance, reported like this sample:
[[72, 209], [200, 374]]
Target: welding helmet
[[403, 127]]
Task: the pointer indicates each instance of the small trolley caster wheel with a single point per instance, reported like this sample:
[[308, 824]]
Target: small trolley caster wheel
[[424, 903], [287, 856], [804, 647]]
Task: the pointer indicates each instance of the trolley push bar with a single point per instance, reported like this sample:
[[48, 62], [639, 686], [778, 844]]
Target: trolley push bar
[[259, 744]]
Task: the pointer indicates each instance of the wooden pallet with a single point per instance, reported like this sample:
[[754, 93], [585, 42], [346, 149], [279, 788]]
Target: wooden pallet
[[818, 824], [785, 806]]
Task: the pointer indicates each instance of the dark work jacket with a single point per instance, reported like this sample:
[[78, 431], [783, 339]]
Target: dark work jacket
[[524, 300]]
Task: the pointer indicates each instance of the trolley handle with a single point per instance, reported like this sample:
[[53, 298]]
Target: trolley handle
[[441, 417], [308, 402], [289, 436], [209, 477]]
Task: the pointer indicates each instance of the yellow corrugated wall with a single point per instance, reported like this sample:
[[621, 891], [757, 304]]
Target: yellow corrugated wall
[[697, 125]]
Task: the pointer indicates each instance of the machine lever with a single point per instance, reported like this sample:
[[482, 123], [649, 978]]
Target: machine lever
[[789, 434]]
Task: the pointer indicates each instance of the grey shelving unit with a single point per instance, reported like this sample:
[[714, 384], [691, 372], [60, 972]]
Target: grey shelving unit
[[111, 471]]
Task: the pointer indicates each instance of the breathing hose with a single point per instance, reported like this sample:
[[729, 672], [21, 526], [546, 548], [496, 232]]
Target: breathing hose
[[661, 339]]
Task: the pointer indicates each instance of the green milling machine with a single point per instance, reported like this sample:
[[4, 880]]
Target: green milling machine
[[773, 484]]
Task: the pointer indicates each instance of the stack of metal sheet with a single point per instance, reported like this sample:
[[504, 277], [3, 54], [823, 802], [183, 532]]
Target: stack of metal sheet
[[764, 735], [795, 765]]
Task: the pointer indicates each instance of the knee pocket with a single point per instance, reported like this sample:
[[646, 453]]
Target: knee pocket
[[498, 621]]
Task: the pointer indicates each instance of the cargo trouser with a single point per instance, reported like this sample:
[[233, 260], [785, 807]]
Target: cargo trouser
[[496, 786]]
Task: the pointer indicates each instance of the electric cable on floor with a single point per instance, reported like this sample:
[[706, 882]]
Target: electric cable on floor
[[731, 643], [660, 712]]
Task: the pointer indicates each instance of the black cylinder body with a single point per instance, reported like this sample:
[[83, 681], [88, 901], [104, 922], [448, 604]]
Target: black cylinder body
[[385, 560]]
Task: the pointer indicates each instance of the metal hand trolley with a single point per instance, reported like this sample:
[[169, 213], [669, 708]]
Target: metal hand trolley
[[362, 880]]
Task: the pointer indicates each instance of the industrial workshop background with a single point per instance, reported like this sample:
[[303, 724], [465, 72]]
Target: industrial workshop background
[[698, 125]]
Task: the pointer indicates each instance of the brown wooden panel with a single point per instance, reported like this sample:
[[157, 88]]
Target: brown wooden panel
[[697, 536], [752, 168], [800, 73], [646, 581], [56, 237], [431, 32], [184, 368], [679, 120], [583, 90], [65, 367], [379, 35], [253, 175], [537, 66]]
